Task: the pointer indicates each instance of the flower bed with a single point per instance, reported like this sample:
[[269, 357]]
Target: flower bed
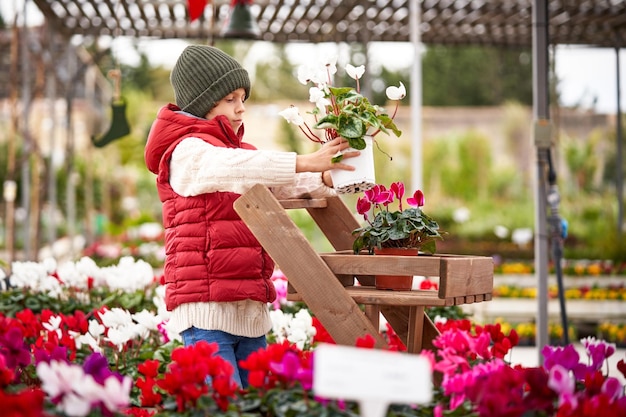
[[114, 361]]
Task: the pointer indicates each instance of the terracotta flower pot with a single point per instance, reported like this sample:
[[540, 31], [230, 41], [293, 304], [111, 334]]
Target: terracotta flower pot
[[395, 282]]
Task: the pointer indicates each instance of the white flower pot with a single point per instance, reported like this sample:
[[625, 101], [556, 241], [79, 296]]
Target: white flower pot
[[363, 177]]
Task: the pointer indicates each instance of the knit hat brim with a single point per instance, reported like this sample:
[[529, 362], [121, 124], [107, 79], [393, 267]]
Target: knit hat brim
[[223, 86]]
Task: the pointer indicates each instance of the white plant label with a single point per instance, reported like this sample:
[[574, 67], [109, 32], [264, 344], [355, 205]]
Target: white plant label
[[374, 378]]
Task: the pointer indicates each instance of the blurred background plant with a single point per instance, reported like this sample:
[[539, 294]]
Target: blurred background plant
[[478, 175]]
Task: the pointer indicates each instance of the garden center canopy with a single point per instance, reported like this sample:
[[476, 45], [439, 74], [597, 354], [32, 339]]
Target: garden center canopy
[[488, 22]]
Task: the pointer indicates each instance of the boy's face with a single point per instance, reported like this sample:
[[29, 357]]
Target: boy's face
[[232, 107]]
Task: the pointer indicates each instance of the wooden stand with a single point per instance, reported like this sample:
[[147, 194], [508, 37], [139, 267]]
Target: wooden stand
[[316, 276]]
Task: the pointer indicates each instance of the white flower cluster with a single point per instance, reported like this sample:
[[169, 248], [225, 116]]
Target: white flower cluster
[[128, 275], [297, 329], [120, 327]]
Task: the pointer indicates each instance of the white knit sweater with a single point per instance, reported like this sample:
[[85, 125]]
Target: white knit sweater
[[197, 167]]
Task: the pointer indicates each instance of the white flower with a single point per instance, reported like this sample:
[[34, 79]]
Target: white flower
[[116, 317], [329, 62], [159, 302], [396, 93], [119, 336], [147, 321], [292, 115], [88, 392], [128, 275], [317, 96], [95, 328], [28, 274], [461, 215], [89, 340], [306, 74], [501, 231], [56, 377], [116, 394], [74, 405], [53, 325], [171, 330], [356, 72], [522, 236], [72, 276]]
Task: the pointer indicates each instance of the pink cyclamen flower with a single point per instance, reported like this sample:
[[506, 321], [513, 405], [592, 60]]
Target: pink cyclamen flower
[[379, 195], [598, 350], [563, 383], [417, 200], [398, 190], [281, 285], [363, 206]]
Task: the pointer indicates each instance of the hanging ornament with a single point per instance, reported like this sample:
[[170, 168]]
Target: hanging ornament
[[241, 24], [195, 8]]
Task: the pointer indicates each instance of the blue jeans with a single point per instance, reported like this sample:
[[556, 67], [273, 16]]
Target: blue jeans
[[232, 348]]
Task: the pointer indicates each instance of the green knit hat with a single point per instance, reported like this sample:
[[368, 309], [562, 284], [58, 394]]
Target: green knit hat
[[203, 75]]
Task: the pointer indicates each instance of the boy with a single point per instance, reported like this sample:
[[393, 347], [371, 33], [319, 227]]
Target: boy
[[217, 275]]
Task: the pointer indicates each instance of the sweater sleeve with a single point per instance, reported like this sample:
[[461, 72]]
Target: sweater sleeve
[[197, 167]]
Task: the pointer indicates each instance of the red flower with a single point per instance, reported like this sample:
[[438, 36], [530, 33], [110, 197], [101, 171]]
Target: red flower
[[366, 341], [394, 341], [26, 403], [149, 368], [621, 366], [363, 206], [148, 395], [139, 412], [321, 334]]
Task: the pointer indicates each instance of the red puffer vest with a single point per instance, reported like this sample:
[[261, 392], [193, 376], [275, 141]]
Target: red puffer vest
[[211, 255]]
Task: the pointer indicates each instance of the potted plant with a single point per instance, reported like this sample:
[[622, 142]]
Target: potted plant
[[394, 232], [345, 112]]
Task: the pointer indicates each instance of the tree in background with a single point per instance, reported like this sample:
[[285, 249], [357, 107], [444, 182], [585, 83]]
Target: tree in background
[[476, 76]]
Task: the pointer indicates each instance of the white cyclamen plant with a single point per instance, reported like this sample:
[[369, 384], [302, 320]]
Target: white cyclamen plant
[[342, 111]]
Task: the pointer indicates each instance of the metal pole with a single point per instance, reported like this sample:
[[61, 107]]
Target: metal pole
[[619, 168], [542, 139], [51, 86], [416, 96], [26, 174]]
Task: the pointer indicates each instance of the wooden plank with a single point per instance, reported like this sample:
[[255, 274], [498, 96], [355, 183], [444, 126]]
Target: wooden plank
[[372, 312], [372, 296], [430, 333], [461, 276], [415, 329], [299, 203], [337, 224], [304, 269], [363, 264], [399, 319]]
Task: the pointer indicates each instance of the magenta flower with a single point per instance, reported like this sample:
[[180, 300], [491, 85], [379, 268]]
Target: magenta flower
[[598, 350], [379, 195], [567, 357], [16, 352], [291, 369], [363, 206], [398, 190], [417, 200], [394, 227]]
